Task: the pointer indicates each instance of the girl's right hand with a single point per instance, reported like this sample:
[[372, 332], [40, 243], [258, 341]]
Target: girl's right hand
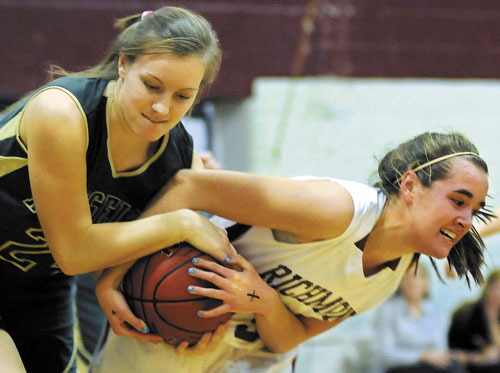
[[208, 237]]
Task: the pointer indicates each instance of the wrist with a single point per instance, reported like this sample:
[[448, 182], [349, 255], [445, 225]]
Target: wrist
[[187, 222], [271, 302]]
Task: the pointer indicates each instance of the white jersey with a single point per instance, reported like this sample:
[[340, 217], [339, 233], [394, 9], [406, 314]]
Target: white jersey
[[321, 279]]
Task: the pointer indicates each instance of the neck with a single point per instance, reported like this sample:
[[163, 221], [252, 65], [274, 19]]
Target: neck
[[414, 307], [388, 239]]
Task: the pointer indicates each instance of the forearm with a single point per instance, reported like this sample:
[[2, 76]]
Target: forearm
[[112, 277], [401, 356], [281, 330], [225, 193], [110, 244], [312, 210]]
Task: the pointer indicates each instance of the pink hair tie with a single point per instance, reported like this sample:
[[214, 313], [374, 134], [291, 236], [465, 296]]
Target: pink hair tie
[[146, 14]]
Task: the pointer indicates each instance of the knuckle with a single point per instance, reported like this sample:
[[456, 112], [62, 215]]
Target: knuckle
[[211, 276]]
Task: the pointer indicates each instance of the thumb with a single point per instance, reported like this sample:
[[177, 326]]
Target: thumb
[[128, 317]]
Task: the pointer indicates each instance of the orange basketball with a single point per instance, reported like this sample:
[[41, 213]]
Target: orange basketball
[[156, 291]]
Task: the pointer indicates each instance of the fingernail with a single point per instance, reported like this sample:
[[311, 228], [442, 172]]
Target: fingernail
[[191, 271], [227, 259], [199, 313], [190, 288], [145, 330], [195, 260]]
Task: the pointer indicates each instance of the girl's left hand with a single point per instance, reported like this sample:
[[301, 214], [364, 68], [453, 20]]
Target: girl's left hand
[[240, 288], [120, 316]]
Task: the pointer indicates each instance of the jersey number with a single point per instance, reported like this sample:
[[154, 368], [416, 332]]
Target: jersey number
[[19, 254]]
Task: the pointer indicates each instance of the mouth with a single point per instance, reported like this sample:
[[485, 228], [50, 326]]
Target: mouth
[[154, 121], [450, 236]]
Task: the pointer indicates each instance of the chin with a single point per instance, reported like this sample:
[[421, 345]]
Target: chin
[[437, 252], [441, 255], [441, 252]]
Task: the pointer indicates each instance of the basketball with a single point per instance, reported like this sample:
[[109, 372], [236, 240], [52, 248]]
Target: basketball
[[155, 288]]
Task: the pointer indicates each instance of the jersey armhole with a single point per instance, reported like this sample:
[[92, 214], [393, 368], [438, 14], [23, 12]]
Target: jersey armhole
[[73, 98]]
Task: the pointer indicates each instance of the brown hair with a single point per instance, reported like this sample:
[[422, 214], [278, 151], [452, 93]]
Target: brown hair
[[466, 257]]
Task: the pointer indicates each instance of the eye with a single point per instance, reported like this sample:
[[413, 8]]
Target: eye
[[151, 86], [457, 202], [183, 97]]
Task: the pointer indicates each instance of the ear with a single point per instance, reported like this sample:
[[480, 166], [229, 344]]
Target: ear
[[408, 186], [122, 61]]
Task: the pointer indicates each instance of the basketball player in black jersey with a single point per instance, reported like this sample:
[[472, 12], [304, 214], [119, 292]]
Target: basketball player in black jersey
[[80, 159]]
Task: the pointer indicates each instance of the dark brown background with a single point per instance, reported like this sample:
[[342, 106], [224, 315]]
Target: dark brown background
[[362, 38]]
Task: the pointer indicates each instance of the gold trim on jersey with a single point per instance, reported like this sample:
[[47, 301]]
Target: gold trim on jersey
[[10, 164], [72, 96], [137, 171], [11, 129]]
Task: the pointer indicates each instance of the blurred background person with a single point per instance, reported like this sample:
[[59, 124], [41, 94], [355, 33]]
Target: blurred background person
[[475, 328], [411, 330]]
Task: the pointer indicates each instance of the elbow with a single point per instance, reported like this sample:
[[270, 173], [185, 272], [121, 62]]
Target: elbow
[[69, 269], [180, 180], [68, 264]]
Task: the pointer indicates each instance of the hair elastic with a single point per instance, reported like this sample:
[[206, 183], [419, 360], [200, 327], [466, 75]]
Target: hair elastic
[[146, 14]]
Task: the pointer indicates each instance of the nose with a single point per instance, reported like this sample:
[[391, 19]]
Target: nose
[[465, 220], [161, 107]]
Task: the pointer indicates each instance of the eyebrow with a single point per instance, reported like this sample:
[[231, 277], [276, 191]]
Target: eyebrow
[[161, 81], [466, 193], [154, 77]]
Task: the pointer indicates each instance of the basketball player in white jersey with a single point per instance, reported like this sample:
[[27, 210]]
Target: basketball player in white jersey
[[319, 250]]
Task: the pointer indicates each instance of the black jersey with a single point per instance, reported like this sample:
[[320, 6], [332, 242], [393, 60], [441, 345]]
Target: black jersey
[[29, 277]]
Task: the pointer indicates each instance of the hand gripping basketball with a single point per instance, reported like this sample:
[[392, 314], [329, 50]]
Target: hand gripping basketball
[[155, 288]]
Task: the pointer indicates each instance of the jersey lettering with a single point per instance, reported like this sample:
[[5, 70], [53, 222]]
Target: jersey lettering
[[242, 332], [107, 208], [30, 204], [34, 251], [321, 300]]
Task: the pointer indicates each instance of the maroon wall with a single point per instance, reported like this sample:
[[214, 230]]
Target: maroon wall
[[398, 38]]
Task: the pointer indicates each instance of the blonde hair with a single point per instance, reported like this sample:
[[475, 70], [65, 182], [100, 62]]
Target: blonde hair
[[168, 30]]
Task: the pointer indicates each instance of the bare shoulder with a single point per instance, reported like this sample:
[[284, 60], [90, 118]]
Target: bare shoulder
[[52, 112], [54, 103]]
